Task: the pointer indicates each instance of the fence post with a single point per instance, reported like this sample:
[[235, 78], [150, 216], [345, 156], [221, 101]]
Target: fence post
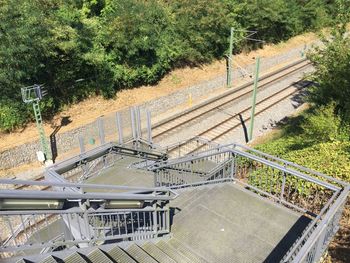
[[149, 126], [101, 131], [138, 123], [119, 126], [132, 116], [81, 144]]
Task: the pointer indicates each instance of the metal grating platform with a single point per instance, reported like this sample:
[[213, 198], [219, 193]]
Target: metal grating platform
[[225, 223]]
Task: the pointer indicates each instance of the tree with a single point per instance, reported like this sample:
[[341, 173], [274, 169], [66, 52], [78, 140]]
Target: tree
[[332, 67]]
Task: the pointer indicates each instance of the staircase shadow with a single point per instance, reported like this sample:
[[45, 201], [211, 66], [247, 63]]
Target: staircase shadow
[[288, 240]]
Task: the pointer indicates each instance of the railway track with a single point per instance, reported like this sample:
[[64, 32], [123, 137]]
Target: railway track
[[175, 122], [234, 121], [210, 106]]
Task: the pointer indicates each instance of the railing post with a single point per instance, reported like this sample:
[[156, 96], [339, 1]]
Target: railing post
[[233, 165], [119, 126], [320, 244], [101, 131], [81, 144], [155, 173], [138, 123], [155, 217], [149, 127], [132, 116], [283, 184]]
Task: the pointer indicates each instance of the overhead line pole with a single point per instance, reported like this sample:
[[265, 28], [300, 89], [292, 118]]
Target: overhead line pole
[[256, 80], [229, 68]]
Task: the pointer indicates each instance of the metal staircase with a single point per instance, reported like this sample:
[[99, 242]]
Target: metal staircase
[[148, 252], [232, 204]]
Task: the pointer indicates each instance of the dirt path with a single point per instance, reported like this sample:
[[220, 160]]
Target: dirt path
[[93, 107]]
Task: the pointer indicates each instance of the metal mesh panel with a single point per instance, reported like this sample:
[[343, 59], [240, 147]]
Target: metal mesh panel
[[110, 127]]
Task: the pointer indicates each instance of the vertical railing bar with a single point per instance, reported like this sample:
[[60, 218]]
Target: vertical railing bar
[[120, 130], [101, 131], [144, 222], [69, 224], [149, 126], [77, 216], [35, 223], [24, 228], [125, 224], [11, 229], [87, 224], [81, 144], [138, 221], [132, 222], [112, 225], [118, 220]]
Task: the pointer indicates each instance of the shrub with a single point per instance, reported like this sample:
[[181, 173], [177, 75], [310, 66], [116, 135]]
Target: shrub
[[11, 116]]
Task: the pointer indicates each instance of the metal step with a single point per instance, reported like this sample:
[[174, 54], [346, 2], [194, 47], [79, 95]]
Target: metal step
[[98, 256], [49, 259], [194, 258], [119, 255], [139, 254], [157, 253], [172, 252], [74, 258]]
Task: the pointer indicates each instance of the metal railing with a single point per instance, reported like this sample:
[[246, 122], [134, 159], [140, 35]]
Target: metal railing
[[64, 219], [190, 146], [318, 196], [198, 170], [89, 218]]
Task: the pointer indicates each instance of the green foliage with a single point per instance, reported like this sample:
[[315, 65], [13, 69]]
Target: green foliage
[[318, 140], [332, 67], [79, 48], [11, 116]]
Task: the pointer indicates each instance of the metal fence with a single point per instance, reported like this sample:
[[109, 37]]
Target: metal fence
[[120, 127]]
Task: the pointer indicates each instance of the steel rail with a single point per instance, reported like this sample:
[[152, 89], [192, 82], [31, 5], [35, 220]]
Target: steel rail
[[236, 115], [225, 96]]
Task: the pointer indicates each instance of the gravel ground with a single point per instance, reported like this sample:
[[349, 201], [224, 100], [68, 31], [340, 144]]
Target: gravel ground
[[263, 122]]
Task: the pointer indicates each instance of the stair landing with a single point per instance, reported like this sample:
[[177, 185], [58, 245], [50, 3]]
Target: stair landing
[[226, 223]]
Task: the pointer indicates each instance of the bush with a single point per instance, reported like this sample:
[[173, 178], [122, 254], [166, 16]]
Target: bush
[[11, 116], [322, 125]]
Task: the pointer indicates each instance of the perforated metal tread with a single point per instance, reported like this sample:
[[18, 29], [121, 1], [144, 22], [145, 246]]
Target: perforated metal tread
[[157, 253], [172, 252], [74, 258], [98, 256], [139, 254], [194, 258], [49, 259], [119, 255]]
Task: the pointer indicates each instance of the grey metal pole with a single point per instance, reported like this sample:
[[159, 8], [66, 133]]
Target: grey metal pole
[[229, 68], [256, 80]]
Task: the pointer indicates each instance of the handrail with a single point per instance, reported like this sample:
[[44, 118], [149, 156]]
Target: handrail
[[317, 232], [291, 164], [231, 146], [310, 226], [252, 157], [66, 195], [80, 185]]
